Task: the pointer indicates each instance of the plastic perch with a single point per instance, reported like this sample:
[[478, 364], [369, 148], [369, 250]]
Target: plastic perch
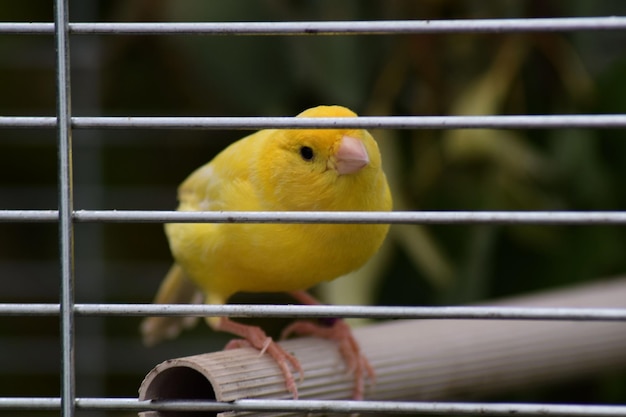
[[432, 360]]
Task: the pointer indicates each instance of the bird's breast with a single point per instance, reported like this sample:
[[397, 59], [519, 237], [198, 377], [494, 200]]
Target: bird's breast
[[277, 257]]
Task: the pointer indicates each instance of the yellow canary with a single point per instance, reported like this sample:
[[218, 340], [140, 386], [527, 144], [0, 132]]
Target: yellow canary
[[275, 170]]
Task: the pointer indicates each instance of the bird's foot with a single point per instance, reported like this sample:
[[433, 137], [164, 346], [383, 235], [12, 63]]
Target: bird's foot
[[339, 331], [255, 337]]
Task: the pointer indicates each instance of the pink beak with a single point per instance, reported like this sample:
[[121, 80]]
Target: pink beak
[[350, 156]]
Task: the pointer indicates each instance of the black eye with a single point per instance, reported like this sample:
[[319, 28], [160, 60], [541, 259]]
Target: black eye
[[307, 153]]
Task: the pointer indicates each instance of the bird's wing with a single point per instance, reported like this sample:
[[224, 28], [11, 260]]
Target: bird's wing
[[224, 183], [176, 288]]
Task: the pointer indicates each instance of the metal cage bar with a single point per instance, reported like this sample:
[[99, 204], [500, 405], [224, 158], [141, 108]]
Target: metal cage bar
[[421, 217], [384, 27], [312, 406], [66, 207], [595, 121], [322, 311]]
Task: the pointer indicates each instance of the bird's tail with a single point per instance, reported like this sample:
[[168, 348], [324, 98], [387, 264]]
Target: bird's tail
[[176, 288]]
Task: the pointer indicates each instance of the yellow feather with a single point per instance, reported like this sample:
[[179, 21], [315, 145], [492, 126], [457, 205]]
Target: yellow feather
[[267, 171]]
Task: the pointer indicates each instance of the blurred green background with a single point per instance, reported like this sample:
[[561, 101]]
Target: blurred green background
[[438, 74]]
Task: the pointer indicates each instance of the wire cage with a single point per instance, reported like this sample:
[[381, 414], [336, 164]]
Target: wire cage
[[505, 131]]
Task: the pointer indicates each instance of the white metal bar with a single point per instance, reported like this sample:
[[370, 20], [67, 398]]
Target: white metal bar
[[580, 218], [555, 217], [559, 121], [66, 206], [28, 121], [319, 311], [378, 27], [316, 406], [23, 216]]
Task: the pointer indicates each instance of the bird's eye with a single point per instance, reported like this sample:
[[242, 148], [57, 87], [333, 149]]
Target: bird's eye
[[307, 153]]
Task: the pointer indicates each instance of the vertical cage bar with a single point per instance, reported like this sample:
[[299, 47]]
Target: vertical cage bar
[[66, 227]]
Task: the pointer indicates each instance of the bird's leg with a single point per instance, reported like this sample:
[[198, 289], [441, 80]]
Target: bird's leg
[[255, 337], [339, 331]]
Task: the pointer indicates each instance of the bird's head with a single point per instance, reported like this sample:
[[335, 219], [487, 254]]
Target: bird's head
[[324, 169]]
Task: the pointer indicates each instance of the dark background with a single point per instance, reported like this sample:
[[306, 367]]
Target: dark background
[[439, 74]]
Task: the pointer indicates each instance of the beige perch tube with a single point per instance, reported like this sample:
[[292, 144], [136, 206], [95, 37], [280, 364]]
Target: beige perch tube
[[419, 359]]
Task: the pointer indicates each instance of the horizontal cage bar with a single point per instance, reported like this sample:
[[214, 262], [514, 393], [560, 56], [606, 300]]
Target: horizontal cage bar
[[339, 406], [318, 311], [564, 121], [377, 27], [356, 217]]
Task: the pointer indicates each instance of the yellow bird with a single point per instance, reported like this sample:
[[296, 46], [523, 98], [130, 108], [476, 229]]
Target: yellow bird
[[277, 170]]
